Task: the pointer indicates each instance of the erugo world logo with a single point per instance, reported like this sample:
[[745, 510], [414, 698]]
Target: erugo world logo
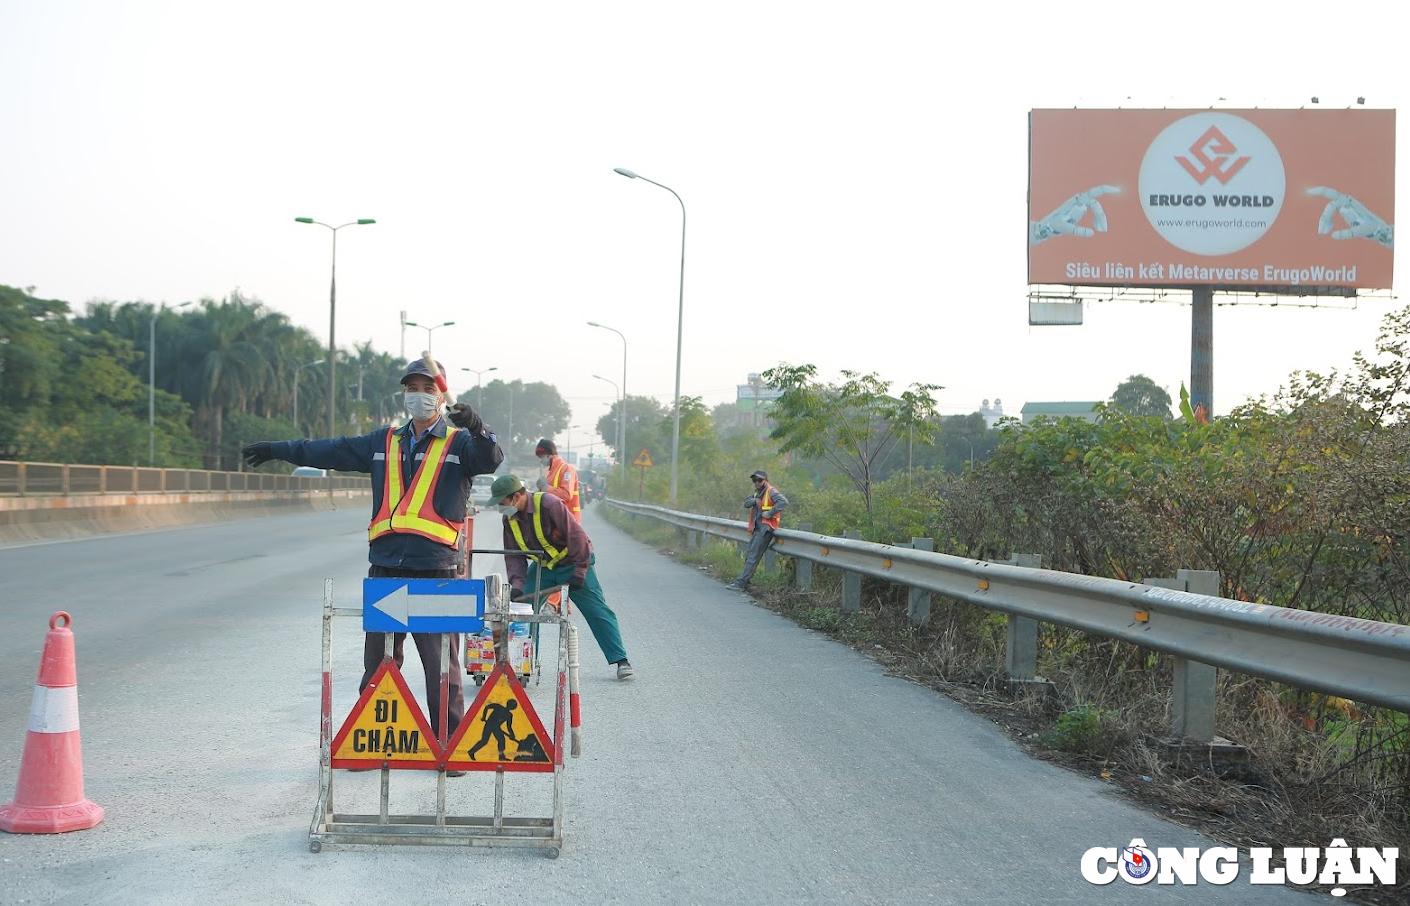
[[1212, 183]]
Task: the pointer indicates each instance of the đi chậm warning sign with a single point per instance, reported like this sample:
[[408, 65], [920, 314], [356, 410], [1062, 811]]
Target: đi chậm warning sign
[[386, 727], [501, 731]]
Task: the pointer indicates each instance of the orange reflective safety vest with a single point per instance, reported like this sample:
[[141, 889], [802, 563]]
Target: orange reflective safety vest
[[565, 478], [410, 510], [765, 510]]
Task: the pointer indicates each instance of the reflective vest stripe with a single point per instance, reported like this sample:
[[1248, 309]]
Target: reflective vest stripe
[[382, 522], [415, 512], [766, 506], [575, 500], [555, 556]]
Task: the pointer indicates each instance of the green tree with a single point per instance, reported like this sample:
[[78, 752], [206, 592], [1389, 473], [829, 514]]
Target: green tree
[[644, 416], [851, 425], [521, 413], [1139, 395]]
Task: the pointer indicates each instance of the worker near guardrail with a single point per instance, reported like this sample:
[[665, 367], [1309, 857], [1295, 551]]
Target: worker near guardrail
[[421, 476], [561, 479], [765, 507], [557, 551]]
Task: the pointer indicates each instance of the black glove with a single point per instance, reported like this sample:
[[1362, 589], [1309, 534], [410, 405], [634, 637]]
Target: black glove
[[462, 416], [257, 454], [750, 501], [516, 595]]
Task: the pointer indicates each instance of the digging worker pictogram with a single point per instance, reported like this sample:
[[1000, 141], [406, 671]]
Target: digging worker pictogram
[[499, 723], [421, 475]]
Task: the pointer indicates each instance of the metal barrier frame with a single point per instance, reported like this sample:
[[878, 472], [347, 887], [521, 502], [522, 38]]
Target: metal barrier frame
[[1364, 660], [441, 829]]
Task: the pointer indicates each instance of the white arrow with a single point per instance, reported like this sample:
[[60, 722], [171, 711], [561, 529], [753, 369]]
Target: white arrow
[[401, 605]]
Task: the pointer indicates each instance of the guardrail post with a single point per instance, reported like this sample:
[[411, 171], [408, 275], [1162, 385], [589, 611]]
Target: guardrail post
[[136, 480], [1192, 700], [102, 479], [1021, 648], [851, 582], [803, 569], [64, 478], [161, 478], [917, 600], [19, 478]]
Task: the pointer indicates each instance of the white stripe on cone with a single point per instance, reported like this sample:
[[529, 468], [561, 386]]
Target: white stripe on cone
[[54, 710]]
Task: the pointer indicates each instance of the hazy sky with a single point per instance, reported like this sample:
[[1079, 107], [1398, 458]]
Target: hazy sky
[[855, 176]]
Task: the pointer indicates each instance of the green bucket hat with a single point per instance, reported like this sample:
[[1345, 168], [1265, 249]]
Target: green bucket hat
[[503, 486]]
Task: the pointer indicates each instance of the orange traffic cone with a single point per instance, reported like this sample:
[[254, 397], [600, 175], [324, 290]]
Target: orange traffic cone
[[49, 794]]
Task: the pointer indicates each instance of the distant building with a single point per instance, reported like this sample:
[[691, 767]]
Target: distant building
[[754, 399], [993, 413], [1082, 410]]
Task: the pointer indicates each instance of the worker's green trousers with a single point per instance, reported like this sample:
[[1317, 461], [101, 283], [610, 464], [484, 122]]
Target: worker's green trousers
[[600, 618]]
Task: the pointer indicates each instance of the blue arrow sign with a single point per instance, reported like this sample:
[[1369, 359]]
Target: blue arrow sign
[[423, 605]]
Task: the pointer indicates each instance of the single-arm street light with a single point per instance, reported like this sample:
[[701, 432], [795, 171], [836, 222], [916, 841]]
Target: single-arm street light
[[298, 371], [680, 322], [622, 421], [332, 316], [429, 330], [479, 390], [152, 382]]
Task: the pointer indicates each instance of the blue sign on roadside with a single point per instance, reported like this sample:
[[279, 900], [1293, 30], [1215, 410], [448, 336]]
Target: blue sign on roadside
[[423, 605]]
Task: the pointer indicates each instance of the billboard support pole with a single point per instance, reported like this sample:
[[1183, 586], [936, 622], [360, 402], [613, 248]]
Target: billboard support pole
[[1202, 349]]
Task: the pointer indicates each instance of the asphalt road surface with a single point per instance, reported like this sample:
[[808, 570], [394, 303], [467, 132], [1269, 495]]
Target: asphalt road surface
[[750, 760]]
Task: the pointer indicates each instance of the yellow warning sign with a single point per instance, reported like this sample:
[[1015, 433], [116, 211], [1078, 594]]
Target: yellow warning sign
[[643, 459], [386, 726], [501, 730]]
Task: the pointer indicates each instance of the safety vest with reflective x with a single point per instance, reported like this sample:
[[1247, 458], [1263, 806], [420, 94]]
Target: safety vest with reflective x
[[551, 556], [563, 476], [414, 512]]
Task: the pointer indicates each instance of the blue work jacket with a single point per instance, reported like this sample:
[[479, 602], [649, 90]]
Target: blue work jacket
[[468, 456]]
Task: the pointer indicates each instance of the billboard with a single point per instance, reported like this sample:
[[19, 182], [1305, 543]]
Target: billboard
[[1300, 200]]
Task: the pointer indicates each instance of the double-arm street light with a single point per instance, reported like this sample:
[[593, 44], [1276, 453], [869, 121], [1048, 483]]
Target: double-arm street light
[[479, 390], [622, 391], [621, 426], [333, 314], [430, 329], [298, 371], [680, 321], [152, 382]]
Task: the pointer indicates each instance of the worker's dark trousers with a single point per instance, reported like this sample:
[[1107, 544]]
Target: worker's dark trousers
[[758, 543], [428, 646]]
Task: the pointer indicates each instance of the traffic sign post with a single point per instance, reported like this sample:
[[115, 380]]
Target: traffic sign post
[[387, 730], [643, 462]]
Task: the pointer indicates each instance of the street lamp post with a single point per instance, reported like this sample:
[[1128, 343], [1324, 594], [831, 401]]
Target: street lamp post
[[622, 413], [621, 426], [298, 371], [480, 391], [569, 447], [332, 315], [152, 382], [429, 330], [680, 323]]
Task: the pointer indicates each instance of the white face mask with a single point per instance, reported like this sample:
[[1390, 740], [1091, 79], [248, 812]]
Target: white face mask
[[507, 509], [422, 405], [545, 460]]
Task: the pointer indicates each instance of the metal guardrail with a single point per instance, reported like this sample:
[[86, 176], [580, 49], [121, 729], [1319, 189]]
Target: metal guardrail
[[1358, 659], [52, 479]]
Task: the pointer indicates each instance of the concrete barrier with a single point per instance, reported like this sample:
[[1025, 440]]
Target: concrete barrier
[[49, 518]]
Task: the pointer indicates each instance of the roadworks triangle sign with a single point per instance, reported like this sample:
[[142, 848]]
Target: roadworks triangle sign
[[643, 459], [386, 726], [501, 730]]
